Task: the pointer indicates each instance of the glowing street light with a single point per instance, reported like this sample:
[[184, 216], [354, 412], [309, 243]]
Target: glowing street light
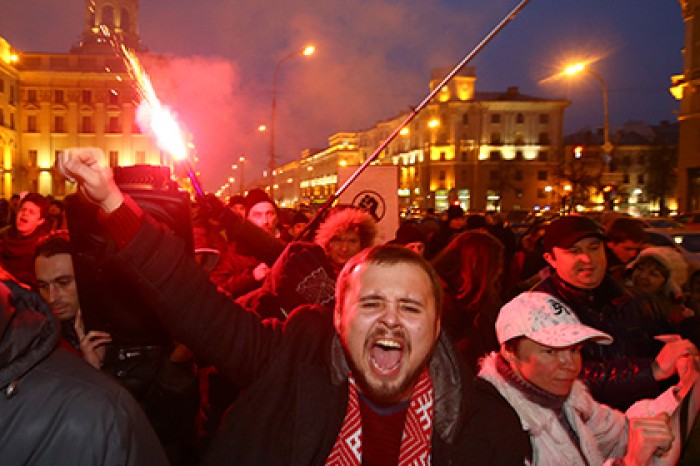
[[305, 52], [577, 68]]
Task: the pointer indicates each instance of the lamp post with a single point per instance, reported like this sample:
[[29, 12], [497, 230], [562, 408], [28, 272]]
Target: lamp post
[[241, 161], [607, 145], [272, 163]]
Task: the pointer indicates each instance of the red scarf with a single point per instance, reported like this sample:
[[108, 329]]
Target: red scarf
[[417, 431]]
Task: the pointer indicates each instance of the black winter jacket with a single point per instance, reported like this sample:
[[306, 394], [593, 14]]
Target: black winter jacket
[[617, 374], [55, 409], [294, 374]]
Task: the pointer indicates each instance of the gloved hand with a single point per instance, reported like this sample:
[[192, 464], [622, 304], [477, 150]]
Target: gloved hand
[[210, 207]]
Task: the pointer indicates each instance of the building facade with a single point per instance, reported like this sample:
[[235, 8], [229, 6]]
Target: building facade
[[483, 150], [51, 101]]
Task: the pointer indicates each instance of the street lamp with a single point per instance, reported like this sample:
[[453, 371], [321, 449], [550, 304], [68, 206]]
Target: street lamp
[[272, 164], [578, 68], [241, 160]]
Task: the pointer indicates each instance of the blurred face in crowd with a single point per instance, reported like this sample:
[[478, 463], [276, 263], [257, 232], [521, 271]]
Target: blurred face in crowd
[[297, 228], [551, 369], [342, 247], [388, 325], [264, 215], [648, 275], [626, 250], [57, 284], [582, 265], [28, 218], [238, 209]]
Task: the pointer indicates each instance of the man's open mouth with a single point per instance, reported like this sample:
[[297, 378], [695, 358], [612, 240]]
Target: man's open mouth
[[386, 355]]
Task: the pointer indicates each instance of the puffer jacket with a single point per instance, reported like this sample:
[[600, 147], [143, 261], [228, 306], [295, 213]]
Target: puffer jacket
[[617, 374], [601, 430], [55, 409]]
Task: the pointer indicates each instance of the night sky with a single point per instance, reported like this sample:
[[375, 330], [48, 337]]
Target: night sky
[[373, 60]]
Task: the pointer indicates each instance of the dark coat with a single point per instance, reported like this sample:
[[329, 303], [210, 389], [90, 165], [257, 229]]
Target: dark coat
[[56, 409], [617, 374], [294, 374]]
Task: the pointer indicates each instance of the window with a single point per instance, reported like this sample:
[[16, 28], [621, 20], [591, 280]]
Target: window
[[543, 156], [495, 138], [519, 155], [640, 178], [465, 119], [542, 175], [543, 139], [113, 158], [518, 175], [495, 118], [86, 125], [31, 124], [541, 193], [32, 157], [519, 139], [642, 160], [626, 178], [520, 118], [442, 175], [31, 95], [544, 118], [113, 125], [464, 155], [493, 175], [12, 121], [86, 97], [2, 85], [2, 117], [58, 96], [495, 155], [113, 97], [59, 124]]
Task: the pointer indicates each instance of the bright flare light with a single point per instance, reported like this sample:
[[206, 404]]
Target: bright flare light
[[152, 114]]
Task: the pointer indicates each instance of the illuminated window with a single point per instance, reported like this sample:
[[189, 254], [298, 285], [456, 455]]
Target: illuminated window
[[86, 125], [31, 124], [32, 157], [59, 124], [113, 158]]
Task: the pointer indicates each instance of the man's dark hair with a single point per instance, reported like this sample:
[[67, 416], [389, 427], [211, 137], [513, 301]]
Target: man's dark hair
[[388, 255], [38, 200], [56, 242], [626, 229]]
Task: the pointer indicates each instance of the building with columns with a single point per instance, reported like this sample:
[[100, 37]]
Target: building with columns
[[51, 101], [482, 150]]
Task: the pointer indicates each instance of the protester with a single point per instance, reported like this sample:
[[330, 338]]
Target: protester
[[632, 367], [305, 273], [53, 266], [55, 409], [625, 239], [18, 242], [451, 227], [470, 268], [536, 372], [662, 271], [240, 271], [411, 235], [372, 383]]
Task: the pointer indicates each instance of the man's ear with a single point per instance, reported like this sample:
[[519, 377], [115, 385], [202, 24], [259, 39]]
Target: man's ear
[[549, 257], [507, 354]]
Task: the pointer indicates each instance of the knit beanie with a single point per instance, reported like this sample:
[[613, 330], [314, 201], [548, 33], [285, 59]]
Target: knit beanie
[[256, 196]]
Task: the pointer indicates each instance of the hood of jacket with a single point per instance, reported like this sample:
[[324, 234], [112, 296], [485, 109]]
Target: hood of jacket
[[29, 332]]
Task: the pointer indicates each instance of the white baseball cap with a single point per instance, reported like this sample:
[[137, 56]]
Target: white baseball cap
[[546, 320]]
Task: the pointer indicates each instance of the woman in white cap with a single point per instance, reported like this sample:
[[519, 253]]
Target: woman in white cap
[[536, 372]]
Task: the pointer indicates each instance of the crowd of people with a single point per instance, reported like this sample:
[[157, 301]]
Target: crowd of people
[[276, 341]]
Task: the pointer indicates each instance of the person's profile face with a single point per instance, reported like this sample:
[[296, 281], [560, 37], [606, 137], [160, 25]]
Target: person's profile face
[[582, 265], [626, 250], [551, 369], [388, 326]]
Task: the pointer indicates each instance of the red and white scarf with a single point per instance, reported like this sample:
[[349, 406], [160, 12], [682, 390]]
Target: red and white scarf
[[417, 431]]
